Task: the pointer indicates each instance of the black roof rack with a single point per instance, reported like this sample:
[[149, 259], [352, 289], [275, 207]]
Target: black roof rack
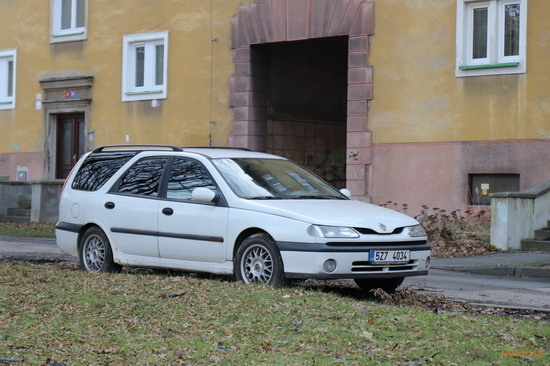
[[146, 146], [217, 147]]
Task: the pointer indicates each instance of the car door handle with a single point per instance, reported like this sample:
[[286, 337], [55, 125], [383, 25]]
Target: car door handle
[[167, 211], [109, 205]]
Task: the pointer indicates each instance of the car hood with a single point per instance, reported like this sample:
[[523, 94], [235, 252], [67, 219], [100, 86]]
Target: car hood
[[350, 213]]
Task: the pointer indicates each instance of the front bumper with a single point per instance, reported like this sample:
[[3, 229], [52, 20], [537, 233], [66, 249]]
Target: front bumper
[[305, 260]]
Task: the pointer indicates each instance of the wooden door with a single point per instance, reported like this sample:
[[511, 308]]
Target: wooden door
[[70, 142]]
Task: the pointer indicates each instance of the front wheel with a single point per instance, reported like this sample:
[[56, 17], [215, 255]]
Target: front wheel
[[258, 260], [95, 252], [387, 284]]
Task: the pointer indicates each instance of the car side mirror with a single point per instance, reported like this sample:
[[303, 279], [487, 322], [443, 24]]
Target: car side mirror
[[202, 194], [346, 192]]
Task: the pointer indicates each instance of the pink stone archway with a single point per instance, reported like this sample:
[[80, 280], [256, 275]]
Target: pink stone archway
[[267, 21]]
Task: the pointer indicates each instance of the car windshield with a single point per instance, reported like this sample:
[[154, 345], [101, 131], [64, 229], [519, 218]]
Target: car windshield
[[273, 179]]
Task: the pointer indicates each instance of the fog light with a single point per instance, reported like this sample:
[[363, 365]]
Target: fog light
[[428, 260], [329, 265]]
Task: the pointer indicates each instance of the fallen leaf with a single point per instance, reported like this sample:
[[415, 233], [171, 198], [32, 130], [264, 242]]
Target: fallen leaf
[[161, 351], [368, 336]]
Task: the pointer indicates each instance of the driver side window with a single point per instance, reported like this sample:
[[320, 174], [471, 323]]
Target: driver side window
[[187, 175]]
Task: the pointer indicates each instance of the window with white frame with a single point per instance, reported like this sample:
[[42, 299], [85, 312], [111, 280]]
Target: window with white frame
[[7, 79], [491, 37], [144, 66], [68, 20]]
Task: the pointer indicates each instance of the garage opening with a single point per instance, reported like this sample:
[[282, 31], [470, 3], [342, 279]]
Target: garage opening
[[305, 86]]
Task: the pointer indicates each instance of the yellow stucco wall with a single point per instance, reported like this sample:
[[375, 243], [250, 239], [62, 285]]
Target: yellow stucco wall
[[417, 97], [198, 70]]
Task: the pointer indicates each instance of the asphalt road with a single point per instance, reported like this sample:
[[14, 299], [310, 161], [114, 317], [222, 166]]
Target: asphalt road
[[511, 292], [31, 249]]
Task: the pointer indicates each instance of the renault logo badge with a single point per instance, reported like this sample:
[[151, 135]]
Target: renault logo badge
[[382, 226]]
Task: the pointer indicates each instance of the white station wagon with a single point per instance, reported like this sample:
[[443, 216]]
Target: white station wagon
[[259, 217]]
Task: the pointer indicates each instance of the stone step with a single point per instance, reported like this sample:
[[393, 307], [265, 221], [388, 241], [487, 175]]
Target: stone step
[[535, 245], [15, 219], [543, 234], [19, 212]]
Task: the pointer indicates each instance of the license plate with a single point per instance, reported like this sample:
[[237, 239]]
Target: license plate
[[389, 256]]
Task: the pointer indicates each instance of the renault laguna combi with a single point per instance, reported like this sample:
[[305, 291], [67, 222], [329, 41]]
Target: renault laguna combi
[[255, 216]]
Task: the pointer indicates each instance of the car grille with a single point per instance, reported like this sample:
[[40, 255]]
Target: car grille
[[367, 231], [365, 266]]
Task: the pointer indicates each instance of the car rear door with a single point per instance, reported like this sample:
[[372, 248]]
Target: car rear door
[[131, 207], [191, 230]]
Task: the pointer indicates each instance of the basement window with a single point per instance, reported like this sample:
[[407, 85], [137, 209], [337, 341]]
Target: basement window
[[481, 185]]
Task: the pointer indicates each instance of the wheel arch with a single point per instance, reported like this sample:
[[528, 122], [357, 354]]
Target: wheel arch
[[245, 234], [83, 230]]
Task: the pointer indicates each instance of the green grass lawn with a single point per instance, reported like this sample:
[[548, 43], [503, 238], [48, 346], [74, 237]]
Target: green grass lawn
[[155, 318], [31, 230]]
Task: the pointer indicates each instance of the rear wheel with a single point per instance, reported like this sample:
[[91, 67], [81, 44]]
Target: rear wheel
[[258, 260], [95, 252], [387, 284]]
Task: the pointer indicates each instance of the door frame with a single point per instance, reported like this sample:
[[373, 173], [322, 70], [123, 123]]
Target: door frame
[[262, 22], [51, 140], [75, 139], [55, 103]]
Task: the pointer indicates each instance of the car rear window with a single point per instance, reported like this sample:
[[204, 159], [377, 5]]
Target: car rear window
[[98, 168]]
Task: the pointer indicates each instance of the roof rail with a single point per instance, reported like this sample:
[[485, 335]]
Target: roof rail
[[217, 147], [128, 147]]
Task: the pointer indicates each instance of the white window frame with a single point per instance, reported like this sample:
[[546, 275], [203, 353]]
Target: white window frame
[[495, 63], [73, 33], [149, 91], [7, 102]]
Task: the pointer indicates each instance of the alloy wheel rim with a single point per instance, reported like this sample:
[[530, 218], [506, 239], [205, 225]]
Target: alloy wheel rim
[[94, 253], [257, 265]]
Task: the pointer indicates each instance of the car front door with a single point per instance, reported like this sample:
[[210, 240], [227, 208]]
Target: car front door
[[191, 230], [130, 208]]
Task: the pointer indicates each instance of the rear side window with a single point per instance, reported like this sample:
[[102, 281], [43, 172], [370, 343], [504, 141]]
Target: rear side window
[[97, 169], [143, 178]]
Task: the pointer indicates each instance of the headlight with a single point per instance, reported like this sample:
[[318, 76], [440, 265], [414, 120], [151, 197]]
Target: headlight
[[332, 232], [417, 230]]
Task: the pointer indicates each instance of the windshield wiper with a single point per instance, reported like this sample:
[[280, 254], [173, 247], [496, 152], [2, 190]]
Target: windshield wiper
[[297, 197], [263, 198], [318, 197]]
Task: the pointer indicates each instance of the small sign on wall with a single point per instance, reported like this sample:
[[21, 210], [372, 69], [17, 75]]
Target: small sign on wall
[[70, 94], [22, 174], [38, 102]]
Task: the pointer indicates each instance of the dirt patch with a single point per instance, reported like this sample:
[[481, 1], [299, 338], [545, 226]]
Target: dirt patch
[[440, 304], [406, 296], [469, 246]]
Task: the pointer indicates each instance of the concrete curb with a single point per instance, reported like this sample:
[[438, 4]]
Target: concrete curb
[[502, 271]]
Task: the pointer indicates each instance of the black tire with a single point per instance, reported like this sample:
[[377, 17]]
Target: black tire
[[387, 284], [258, 261], [95, 252]]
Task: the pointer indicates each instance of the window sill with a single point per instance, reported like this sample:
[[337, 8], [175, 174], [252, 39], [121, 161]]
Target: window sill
[[147, 92], [7, 105], [68, 37], [491, 66], [505, 68], [143, 95], [60, 35]]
